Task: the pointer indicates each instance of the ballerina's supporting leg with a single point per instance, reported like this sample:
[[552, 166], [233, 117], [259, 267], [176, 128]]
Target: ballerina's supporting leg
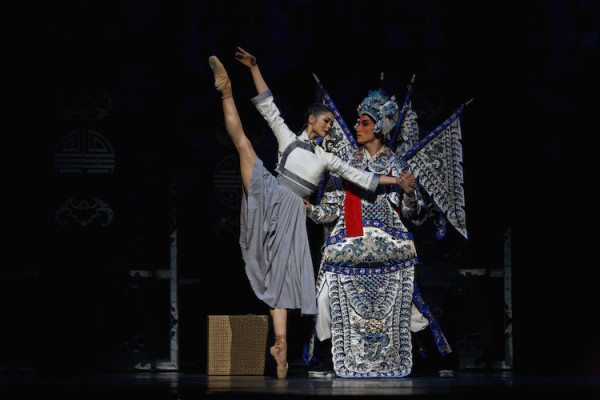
[[279, 349]]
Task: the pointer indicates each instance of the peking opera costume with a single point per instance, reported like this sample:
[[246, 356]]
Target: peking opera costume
[[369, 303]]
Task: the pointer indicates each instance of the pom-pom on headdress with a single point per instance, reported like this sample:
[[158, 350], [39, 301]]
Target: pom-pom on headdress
[[382, 108]]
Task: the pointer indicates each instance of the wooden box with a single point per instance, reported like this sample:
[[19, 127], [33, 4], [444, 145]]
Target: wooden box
[[237, 344]]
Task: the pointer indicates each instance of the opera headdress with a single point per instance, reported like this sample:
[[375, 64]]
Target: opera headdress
[[382, 108]]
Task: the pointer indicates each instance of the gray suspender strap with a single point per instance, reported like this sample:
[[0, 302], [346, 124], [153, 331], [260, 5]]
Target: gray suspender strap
[[281, 166]]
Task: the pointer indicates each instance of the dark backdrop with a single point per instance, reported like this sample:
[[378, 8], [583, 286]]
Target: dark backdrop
[[135, 75]]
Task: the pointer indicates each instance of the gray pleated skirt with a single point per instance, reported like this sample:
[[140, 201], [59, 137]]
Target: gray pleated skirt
[[274, 244]]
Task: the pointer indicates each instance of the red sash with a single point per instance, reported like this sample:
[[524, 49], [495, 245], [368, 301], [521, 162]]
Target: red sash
[[353, 211]]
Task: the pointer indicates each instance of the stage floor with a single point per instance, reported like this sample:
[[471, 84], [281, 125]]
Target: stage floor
[[183, 386]]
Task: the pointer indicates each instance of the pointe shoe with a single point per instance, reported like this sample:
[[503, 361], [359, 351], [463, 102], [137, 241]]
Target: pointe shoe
[[222, 82], [282, 370], [279, 353]]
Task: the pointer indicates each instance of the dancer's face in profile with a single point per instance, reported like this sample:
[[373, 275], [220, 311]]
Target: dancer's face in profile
[[321, 124], [365, 130]]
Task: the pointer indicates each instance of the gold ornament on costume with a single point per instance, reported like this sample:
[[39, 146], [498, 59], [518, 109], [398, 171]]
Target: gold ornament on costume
[[373, 325]]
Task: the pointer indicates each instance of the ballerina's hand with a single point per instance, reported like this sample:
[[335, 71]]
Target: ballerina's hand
[[307, 204], [245, 58]]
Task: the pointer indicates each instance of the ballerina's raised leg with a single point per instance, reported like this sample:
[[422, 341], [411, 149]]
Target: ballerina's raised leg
[[233, 124]]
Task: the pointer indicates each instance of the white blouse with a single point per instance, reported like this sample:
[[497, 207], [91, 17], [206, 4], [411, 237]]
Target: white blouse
[[301, 163]]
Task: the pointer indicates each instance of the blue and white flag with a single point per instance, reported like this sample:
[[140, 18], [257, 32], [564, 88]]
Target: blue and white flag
[[436, 163], [408, 130], [406, 127]]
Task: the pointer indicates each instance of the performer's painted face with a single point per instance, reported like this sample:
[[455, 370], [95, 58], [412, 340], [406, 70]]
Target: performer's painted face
[[321, 124], [365, 130]]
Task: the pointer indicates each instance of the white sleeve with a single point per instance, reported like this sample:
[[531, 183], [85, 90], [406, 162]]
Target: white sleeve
[[266, 106], [366, 180]]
